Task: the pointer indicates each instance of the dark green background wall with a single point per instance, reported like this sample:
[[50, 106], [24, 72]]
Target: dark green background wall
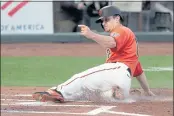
[[76, 37]]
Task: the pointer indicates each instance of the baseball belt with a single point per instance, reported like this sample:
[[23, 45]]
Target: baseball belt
[[128, 69]]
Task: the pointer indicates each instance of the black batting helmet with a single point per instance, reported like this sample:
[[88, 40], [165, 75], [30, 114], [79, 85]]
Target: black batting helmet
[[109, 11]]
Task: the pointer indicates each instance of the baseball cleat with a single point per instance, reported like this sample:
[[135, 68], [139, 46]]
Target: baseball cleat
[[50, 95]]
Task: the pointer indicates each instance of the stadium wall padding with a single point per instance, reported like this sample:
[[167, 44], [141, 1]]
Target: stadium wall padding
[[76, 37]]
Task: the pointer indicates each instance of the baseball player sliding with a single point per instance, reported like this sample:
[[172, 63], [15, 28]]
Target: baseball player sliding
[[108, 81]]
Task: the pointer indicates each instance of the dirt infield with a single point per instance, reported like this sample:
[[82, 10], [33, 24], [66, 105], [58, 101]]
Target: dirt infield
[[77, 49], [16, 101]]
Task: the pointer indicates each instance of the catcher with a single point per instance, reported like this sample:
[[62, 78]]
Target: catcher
[[108, 81]]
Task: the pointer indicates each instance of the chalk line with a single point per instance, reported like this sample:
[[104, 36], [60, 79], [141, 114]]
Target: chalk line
[[159, 69], [47, 104], [18, 95], [28, 100], [40, 112], [100, 110], [126, 114], [104, 109], [23, 100]]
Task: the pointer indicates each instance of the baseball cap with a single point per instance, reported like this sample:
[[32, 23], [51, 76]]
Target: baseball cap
[[108, 11]]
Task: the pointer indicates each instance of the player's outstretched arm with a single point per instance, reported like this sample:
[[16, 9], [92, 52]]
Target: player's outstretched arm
[[105, 41], [144, 84]]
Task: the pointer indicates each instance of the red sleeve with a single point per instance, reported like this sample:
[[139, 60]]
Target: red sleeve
[[138, 70], [120, 39]]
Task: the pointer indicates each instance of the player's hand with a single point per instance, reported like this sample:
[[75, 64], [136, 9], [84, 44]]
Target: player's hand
[[85, 31]]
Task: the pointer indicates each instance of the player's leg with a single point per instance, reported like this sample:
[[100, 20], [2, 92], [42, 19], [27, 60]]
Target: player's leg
[[140, 76], [142, 79], [138, 71], [107, 82], [79, 86], [120, 88], [71, 89], [100, 78]]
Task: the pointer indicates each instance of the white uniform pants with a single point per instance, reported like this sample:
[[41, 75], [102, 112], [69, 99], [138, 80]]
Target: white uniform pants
[[97, 82]]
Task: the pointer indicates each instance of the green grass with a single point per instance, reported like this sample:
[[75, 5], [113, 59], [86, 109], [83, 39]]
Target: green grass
[[50, 71], [163, 79]]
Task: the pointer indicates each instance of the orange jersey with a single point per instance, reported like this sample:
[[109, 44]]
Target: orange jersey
[[126, 48]]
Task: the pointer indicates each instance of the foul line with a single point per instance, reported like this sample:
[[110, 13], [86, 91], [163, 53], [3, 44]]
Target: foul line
[[39, 112], [49, 105], [20, 95], [24, 100], [103, 109], [28, 100]]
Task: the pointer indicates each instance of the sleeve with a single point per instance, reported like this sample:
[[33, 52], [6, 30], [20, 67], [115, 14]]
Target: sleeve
[[120, 39]]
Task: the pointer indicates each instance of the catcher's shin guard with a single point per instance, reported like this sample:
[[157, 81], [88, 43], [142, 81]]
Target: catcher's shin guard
[[50, 95]]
